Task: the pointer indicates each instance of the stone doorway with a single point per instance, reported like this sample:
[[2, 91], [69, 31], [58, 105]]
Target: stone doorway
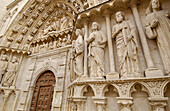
[[43, 93]]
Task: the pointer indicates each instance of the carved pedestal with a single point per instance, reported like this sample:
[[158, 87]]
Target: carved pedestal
[[100, 103], [125, 103], [158, 104]]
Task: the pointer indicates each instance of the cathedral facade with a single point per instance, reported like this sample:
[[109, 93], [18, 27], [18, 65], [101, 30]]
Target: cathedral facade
[[85, 55]]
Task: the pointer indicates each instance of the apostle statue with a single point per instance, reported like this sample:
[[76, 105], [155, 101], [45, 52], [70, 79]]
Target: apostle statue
[[78, 48], [125, 34], [3, 65], [158, 26], [11, 72], [96, 46]]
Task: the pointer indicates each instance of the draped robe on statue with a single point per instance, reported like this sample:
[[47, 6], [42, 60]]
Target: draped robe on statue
[[79, 49], [11, 72], [127, 49], [3, 65], [162, 34], [96, 54]]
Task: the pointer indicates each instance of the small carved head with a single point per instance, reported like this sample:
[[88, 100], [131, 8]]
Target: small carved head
[[14, 59], [155, 4], [95, 26], [78, 32], [120, 16], [4, 58]]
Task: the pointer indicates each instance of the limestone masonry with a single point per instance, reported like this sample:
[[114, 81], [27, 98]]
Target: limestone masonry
[[85, 55]]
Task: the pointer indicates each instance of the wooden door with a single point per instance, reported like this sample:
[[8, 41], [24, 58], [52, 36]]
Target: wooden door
[[43, 93]]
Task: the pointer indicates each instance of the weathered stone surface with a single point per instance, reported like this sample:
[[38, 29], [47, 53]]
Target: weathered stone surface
[[90, 55]]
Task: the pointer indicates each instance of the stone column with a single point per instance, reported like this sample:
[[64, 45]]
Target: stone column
[[151, 71], [112, 74], [100, 103], [5, 99], [125, 103], [159, 103], [85, 48], [80, 103]]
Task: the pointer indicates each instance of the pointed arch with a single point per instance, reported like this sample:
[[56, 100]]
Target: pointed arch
[[87, 91], [144, 86], [43, 92]]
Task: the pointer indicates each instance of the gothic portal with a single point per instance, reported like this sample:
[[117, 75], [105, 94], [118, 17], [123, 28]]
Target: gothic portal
[[43, 92], [85, 55]]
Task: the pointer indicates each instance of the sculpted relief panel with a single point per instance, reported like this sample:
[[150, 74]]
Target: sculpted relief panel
[[9, 66]]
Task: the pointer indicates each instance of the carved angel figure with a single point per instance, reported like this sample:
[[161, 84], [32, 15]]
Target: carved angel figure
[[11, 72], [96, 45], [78, 50], [158, 26], [3, 65], [125, 34]]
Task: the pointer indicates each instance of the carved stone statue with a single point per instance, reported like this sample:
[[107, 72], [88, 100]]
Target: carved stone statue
[[51, 45], [11, 72], [18, 41], [158, 26], [96, 45], [78, 53], [9, 41], [28, 41], [125, 34], [3, 65], [64, 23]]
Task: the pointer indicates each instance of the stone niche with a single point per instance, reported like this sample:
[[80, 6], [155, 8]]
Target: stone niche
[[123, 66]]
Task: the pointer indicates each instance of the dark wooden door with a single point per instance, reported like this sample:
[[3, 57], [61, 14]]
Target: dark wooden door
[[43, 93]]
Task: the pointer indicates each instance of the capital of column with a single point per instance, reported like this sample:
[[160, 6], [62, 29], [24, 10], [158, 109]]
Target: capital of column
[[79, 99], [125, 103], [106, 13], [100, 103], [86, 21], [100, 100], [132, 3], [158, 103]]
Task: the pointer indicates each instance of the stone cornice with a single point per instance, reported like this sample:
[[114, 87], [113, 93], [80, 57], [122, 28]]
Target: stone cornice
[[144, 79], [57, 34], [11, 5], [51, 52], [7, 49]]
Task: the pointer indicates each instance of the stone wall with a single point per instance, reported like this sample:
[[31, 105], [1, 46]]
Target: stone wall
[[104, 55]]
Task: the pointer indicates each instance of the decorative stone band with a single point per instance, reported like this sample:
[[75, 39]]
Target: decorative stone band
[[57, 34], [7, 49]]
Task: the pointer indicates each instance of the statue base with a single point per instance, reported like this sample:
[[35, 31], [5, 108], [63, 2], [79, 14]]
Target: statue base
[[83, 77], [112, 75], [153, 72]]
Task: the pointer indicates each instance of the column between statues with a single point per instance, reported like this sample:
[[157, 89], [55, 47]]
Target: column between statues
[[85, 48], [151, 69], [112, 74]]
